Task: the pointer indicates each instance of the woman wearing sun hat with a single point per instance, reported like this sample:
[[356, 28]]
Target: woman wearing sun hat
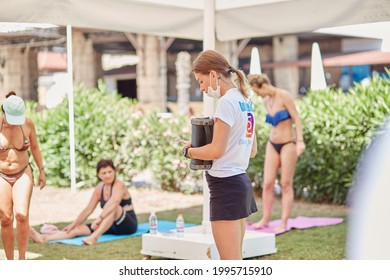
[[17, 135]]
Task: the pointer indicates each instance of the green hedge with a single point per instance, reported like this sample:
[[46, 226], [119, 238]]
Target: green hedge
[[109, 126], [337, 127]]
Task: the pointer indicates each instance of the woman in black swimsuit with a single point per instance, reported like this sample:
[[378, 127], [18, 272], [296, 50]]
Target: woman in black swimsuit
[[117, 216], [285, 145], [17, 135]]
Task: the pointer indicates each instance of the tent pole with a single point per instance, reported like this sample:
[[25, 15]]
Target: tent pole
[[69, 51], [208, 102], [209, 25]]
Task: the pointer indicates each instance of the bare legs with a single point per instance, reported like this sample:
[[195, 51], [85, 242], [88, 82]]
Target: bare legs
[[229, 236], [79, 230], [287, 161], [42, 238], [15, 197], [271, 166], [104, 226], [22, 191], [7, 218]]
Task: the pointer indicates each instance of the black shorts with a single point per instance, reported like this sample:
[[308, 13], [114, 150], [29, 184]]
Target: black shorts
[[126, 224], [231, 198]]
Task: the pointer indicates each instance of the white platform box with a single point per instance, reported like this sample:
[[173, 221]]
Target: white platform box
[[196, 245]]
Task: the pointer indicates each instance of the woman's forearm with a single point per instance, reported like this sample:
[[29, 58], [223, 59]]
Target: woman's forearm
[[299, 131], [36, 153], [206, 152]]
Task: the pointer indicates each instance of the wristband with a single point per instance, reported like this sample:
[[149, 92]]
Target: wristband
[[185, 152]]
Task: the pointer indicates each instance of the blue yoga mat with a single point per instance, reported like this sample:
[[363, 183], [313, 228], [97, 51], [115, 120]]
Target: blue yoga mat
[[163, 226]]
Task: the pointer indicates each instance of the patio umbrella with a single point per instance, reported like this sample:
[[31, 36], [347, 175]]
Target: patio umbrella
[[317, 80], [255, 66]]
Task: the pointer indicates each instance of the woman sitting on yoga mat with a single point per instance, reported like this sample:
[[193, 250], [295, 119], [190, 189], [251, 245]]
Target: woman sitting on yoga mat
[[117, 217], [284, 147]]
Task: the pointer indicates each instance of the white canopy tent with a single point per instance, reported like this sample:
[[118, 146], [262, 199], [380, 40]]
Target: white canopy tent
[[234, 19], [317, 75]]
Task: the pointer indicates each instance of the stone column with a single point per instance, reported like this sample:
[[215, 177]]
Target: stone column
[[232, 50], [87, 65], [150, 88], [285, 48], [183, 82], [225, 48], [19, 72]]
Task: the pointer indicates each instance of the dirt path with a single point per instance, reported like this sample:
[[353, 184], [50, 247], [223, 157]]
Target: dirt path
[[52, 205]]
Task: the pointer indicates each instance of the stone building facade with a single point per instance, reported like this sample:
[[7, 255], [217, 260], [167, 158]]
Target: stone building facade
[[155, 71]]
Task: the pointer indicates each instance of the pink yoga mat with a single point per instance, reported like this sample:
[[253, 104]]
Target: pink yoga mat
[[299, 222]]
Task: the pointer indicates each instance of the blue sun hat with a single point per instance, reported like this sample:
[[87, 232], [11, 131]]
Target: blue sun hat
[[14, 109]]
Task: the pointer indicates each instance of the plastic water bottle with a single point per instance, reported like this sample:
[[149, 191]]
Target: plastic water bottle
[[153, 223], [180, 226]]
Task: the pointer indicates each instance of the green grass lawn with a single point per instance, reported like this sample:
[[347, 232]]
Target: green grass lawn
[[320, 243]]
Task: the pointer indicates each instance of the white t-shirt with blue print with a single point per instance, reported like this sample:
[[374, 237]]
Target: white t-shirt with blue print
[[236, 111]]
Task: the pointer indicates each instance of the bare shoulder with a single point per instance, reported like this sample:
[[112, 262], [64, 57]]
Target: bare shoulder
[[28, 126], [284, 94], [120, 185], [29, 123], [123, 185], [119, 182], [120, 188], [98, 188]]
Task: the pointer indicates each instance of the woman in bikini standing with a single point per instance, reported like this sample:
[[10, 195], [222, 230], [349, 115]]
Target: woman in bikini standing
[[284, 147], [117, 216], [17, 135]]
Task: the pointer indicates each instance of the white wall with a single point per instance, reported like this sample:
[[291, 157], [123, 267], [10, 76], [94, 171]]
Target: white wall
[[360, 44]]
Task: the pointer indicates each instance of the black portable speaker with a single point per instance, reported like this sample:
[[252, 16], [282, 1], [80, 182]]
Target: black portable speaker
[[202, 134]]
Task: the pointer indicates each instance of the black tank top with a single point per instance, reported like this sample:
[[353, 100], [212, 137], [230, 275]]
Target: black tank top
[[124, 202]]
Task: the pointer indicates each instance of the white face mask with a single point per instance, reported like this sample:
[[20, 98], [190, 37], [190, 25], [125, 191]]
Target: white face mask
[[213, 93]]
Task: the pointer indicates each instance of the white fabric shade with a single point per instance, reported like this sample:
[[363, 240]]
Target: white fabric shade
[[234, 19]]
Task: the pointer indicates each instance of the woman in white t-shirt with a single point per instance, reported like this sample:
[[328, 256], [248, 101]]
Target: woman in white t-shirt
[[233, 144]]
